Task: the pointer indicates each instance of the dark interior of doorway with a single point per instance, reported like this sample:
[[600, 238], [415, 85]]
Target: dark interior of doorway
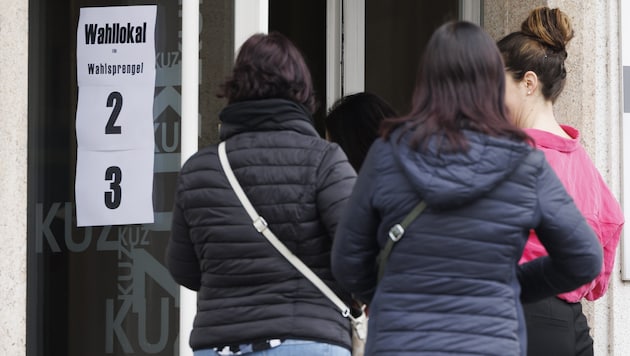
[[304, 23], [396, 33]]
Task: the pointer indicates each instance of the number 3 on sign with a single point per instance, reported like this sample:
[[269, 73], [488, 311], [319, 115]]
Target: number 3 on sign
[[113, 197]]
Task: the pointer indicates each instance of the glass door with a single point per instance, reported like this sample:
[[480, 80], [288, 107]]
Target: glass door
[[396, 33], [304, 23], [381, 41], [364, 45], [104, 290]]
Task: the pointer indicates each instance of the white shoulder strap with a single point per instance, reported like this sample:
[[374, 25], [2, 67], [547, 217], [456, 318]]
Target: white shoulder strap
[[261, 226]]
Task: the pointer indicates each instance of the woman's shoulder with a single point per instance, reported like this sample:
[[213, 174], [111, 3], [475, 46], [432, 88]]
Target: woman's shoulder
[[200, 160], [536, 159]]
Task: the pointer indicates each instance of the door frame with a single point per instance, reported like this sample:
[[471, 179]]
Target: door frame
[[345, 44], [345, 74]]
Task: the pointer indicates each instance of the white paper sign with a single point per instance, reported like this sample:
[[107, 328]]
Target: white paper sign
[[111, 188], [114, 119], [116, 46]]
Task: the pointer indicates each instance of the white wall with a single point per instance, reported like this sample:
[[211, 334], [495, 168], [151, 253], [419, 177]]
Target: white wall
[[13, 153], [592, 102]]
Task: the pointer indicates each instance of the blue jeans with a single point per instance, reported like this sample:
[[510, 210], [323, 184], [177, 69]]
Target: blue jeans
[[292, 347]]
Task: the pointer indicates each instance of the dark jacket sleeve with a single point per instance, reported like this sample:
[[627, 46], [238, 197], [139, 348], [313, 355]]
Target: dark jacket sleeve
[[575, 254], [181, 258], [355, 246], [335, 180]]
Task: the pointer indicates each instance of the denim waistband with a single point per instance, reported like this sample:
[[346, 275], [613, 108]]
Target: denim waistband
[[227, 350]]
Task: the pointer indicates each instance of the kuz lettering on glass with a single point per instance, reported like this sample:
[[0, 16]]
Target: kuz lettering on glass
[[113, 173]]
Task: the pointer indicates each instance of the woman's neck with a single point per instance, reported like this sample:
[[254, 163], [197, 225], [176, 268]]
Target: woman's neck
[[541, 117]]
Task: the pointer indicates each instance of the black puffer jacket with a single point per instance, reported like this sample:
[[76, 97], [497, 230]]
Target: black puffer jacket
[[451, 285], [299, 183]]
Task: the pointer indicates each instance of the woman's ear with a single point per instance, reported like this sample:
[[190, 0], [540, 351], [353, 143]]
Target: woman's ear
[[530, 79]]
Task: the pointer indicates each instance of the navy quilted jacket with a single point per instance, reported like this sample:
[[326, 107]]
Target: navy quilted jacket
[[247, 291], [451, 285]]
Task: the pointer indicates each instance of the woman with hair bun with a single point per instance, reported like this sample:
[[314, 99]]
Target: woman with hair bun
[[536, 75]]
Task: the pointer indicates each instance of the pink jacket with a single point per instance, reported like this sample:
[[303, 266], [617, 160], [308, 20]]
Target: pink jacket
[[591, 195]]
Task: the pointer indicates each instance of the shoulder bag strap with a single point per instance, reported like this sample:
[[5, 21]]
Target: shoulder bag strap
[[396, 233], [261, 226]]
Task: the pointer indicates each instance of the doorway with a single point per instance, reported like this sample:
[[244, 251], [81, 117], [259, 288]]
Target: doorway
[[364, 45], [396, 33]]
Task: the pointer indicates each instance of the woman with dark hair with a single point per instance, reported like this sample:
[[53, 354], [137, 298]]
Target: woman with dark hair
[[353, 123], [249, 297], [452, 284], [536, 75]]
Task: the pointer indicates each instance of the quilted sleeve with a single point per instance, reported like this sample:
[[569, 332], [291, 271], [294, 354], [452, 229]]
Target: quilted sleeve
[[355, 246], [181, 258], [575, 254], [335, 180]]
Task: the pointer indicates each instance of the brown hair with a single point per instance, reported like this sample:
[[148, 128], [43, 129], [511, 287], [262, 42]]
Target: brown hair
[[540, 46], [269, 66], [460, 85]]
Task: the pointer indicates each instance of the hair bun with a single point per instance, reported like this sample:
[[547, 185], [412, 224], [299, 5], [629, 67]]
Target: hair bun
[[550, 27]]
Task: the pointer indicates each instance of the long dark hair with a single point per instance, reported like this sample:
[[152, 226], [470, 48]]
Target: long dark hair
[[353, 122], [270, 66], [540, 46], [460, 85]]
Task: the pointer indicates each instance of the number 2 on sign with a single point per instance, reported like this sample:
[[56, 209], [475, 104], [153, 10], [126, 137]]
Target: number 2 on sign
[[113, 173], [114, 99]]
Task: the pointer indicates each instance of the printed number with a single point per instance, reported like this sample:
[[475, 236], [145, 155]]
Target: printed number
[[112, 198], [111, 128]]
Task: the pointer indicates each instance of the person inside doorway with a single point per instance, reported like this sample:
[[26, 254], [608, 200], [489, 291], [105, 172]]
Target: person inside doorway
[[353, 123]]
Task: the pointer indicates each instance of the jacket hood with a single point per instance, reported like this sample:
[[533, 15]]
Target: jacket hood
[[449, 180], [265, 115]]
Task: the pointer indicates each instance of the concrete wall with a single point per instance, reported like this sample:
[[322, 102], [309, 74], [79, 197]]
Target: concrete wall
[[591, 102], [13, 138]]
